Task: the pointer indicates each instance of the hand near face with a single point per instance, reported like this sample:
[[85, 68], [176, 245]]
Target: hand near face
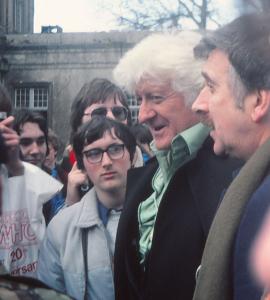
[[76, 177], [11, 138]]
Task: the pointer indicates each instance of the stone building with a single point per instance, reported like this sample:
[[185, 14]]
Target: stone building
[[45, 71], [16, 16]]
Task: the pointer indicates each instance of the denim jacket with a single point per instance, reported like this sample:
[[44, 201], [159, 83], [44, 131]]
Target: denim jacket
[[61, 260]]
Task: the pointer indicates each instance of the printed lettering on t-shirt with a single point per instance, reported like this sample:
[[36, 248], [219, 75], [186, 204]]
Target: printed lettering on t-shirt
[[18, 243], [15, 228]]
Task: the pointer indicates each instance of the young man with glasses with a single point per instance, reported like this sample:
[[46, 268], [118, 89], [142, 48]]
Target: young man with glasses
[[100, 97], [77, 255]]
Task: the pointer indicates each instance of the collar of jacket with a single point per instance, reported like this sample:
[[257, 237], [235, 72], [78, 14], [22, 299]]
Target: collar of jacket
[[184, 148], [214, 280], [88, 211]]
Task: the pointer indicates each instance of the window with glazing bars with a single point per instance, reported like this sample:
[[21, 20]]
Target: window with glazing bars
[[134, 107], [32, 98]]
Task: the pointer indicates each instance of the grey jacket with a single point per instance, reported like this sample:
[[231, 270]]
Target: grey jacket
[[61, 261]]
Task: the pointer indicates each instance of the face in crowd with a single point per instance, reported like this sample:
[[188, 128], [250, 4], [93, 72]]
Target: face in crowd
[[163, 110], [231, 125], [105, 148], [33, 146], [110, 108], [163, 82], [106, 162], [50, 159]]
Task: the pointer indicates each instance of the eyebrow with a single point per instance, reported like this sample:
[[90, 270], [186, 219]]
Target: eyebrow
[[208, 78], [102, 148]]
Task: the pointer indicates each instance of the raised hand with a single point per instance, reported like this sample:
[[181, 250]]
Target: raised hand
[[11, 140]]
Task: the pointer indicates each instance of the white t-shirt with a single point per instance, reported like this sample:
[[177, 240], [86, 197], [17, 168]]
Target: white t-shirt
[[22, 224]]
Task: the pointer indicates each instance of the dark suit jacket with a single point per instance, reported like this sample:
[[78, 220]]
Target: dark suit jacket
[[184, 217], [244, 285]]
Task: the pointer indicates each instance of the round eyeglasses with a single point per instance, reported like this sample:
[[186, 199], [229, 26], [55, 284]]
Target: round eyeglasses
[[120, 113], [114, 151]]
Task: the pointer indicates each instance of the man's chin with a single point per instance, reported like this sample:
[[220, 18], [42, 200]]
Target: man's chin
[[162, 145], [36, 163], [219, 149], [163, 139]]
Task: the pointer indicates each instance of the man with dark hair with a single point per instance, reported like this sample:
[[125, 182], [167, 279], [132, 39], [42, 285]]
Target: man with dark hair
[[34, 147], [99, 97], [25, 188], [56, 171], [76, 256], [33, 131], [235, 103], [99, 93], [143, 138], [17, 287], [54, 147]]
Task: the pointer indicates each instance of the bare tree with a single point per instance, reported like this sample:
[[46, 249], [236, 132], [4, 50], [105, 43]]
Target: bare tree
[[162, 14]]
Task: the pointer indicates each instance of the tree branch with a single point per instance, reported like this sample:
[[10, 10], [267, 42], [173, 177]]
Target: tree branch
[[158, 14]]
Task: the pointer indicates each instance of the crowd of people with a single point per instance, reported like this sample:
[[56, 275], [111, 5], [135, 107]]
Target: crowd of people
[[172, 207]]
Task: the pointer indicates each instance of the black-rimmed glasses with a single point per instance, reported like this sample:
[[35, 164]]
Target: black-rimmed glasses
[[114, 151], [120, 113]]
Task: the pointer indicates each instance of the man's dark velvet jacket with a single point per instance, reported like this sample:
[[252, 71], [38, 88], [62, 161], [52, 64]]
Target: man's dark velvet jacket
[[183, 220]]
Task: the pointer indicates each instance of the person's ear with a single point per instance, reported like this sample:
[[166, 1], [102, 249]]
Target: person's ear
[[261, 105]]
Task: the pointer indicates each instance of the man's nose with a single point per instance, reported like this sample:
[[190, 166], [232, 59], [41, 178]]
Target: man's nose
[[146, 111], [106, 160], [110, 114], [200, 105], [35, 148]]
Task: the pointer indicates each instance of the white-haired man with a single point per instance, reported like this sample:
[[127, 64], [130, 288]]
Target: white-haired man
[[168, 212]]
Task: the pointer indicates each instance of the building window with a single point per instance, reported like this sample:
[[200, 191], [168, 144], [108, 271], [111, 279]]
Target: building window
[[36, 98], [134, 107]]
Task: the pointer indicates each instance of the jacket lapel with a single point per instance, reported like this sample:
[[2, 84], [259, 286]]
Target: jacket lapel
[[214, 281]]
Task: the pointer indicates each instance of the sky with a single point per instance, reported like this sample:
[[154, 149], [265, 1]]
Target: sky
[[87, 15], [73, 16]]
